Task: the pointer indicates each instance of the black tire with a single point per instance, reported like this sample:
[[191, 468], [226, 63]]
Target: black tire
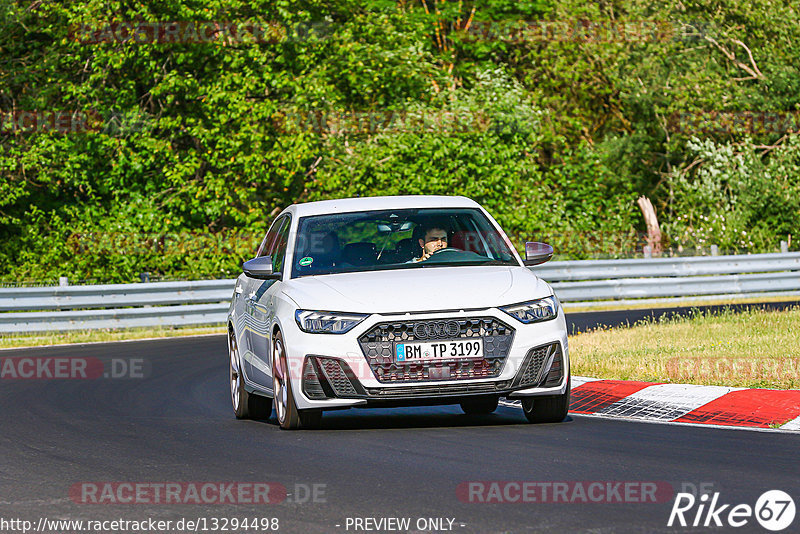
[[239, 396], [289, 417], [479, 405], [259, 407], [245, 405], [547, 409], [310, 419]]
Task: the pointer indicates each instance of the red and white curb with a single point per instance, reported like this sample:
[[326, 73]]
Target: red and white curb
[[685, 403]]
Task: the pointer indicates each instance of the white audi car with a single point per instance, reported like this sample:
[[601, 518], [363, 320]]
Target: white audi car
[[394, 301]]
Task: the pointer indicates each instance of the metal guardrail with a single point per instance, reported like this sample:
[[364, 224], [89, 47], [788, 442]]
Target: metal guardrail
[[91, 307], [629, 288], [114, 295], [728, 276], [563, 271], [167, 316], [124, 306]]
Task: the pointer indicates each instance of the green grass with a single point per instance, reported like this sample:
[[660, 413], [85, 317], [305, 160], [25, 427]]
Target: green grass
[[755, 348], [98, 336], [671, 302]]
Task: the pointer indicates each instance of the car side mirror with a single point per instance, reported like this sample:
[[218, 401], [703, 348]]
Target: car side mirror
[[536, 253], [260, 268]]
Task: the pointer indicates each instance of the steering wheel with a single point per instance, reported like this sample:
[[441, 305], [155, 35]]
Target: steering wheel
[[448, 249]]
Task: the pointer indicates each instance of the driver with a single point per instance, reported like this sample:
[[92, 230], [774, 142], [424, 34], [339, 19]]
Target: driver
[[434, 239]]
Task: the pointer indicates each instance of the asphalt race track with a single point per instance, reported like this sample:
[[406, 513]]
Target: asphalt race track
[[175, 424]]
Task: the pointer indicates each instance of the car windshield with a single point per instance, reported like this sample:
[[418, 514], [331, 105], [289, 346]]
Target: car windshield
[[382, 240]]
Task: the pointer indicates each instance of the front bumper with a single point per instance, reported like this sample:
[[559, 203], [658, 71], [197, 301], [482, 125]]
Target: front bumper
[[357, 368]]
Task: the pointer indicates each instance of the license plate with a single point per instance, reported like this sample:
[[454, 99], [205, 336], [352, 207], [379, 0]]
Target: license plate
[[439, 350]]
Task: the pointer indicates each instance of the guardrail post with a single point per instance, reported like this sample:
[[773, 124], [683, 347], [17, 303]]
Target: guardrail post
[[63, 281], [714, 250], [648, 252], [784, 247]]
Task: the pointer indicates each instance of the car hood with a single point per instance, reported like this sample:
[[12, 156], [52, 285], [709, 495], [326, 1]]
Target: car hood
[[415, 290]]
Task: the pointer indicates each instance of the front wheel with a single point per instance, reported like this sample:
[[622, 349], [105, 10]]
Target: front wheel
[[238, 393], [245, 405], [289, 417], [547, 409]]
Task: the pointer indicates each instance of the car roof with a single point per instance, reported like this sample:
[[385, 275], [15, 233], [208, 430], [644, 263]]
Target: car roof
[[346, 205]]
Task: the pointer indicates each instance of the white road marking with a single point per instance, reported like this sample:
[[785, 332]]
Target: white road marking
[[666, 401], [794, 424], [580, 380]]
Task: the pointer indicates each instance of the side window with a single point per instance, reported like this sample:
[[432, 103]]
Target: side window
[[268, 244], [281, 243]]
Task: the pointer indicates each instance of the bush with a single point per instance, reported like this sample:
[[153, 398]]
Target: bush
[[735, 197]]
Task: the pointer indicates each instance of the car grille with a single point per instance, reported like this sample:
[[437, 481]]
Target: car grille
[[532, 366], [436, 390], [312, 387], [325, 377], [336, 378], [556, 373], [377, 344]]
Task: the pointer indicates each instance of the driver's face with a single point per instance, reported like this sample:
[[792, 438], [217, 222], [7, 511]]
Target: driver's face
[[435, 239]]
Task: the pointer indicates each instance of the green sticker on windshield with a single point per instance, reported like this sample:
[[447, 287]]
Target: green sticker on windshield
[[305, 262]]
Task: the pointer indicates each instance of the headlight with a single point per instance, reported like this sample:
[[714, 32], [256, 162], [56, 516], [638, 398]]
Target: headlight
[[534, 311], [315, 322]]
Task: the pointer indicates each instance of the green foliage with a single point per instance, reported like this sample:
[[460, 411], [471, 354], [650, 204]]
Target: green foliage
[[735, 199], [475, 142], [483, 143], [556, 133]]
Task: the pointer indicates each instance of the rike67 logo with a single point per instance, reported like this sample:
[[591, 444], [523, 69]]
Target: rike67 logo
[[774, 510]]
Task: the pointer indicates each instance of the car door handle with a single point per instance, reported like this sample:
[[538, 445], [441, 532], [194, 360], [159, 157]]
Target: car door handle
[[239, 290]]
